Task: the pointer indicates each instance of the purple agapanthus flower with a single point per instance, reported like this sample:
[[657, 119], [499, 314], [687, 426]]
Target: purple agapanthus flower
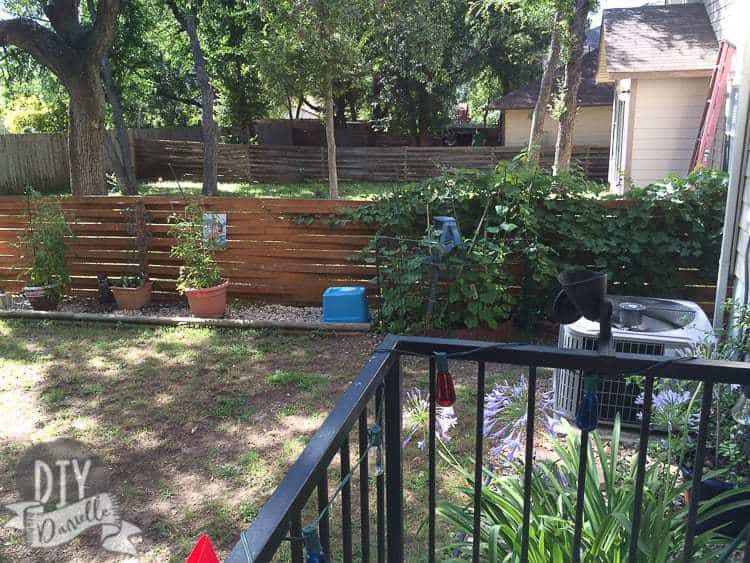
[[667, 406], [505, 416], [416, 419]]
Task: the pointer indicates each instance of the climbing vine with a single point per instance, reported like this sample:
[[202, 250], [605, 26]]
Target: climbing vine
[[522, 226]]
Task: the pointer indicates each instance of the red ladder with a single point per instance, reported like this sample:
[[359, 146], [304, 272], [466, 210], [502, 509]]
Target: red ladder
[[714, 104]]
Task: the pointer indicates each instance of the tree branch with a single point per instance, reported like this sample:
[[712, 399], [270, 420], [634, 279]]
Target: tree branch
[[102, 33], [175, 98], [63, 16], [41, 43]]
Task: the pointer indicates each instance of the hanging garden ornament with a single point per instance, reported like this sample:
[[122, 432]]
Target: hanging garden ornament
[[375, 437], [589, 405], [312, 544], [446, 393]]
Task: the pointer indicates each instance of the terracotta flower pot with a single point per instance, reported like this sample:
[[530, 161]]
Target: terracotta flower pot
[[42, 298], [208, 303], [132, 298]]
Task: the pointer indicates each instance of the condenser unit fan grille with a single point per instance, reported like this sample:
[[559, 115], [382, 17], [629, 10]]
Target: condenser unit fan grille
[[615, 395]]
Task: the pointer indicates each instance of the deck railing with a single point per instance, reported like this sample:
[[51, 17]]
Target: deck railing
[[380, 384]]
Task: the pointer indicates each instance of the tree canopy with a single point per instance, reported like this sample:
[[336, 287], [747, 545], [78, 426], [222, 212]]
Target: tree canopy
[[402, 64]]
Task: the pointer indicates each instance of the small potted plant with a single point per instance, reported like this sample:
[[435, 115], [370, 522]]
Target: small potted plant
[[44, 246], [200, 278], [134, 290]]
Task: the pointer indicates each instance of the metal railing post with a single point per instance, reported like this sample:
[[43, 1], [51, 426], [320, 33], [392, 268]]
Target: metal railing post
[[394, 484]]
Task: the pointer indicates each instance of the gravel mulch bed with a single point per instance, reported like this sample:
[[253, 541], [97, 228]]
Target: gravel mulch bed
[[236, 310]]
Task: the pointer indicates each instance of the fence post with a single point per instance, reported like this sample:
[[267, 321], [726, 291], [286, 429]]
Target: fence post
[[393, 470]]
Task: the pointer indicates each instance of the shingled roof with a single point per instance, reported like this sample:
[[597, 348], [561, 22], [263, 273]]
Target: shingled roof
[[654, 39], [589, 94]]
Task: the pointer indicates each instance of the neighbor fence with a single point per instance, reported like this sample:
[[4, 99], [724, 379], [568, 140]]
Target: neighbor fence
[[243, 163], [40, 160], [273, 253]]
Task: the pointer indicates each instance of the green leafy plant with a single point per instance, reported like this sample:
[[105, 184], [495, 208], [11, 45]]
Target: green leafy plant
[[43, 243], [544, 224], [608, 510], [200, 269]]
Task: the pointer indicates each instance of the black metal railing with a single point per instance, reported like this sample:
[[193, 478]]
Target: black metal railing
[[380, 384]]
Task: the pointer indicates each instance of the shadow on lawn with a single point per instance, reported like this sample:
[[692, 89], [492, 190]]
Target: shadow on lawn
[[195, 431]]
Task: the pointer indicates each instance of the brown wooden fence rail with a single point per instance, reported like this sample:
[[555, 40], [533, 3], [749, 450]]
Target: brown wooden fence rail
[[380, 164], [270, 256]]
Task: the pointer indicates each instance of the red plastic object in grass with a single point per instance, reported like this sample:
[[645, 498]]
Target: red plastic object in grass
[[203, 552]]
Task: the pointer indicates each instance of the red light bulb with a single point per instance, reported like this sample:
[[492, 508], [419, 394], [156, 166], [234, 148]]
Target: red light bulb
[[446, 392]]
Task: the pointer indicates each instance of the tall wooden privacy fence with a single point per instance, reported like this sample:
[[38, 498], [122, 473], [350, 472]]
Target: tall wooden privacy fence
[[271, 255], [380, 164]]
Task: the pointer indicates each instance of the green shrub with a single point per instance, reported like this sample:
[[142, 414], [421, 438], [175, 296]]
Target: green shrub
[[547, 224], [43, 244]]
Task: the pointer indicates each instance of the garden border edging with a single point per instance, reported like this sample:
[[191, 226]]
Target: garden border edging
[[181, 321]]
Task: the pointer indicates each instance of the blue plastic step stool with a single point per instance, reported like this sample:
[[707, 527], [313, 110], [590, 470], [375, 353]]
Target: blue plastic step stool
[[345, 305]]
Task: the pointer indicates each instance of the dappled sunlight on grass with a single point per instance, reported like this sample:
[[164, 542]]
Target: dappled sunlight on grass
[[195, 429]]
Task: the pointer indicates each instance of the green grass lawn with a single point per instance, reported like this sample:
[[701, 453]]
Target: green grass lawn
[[198, 425], [301, 190]]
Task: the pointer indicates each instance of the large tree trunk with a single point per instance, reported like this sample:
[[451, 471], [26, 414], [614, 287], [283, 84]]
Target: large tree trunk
[[545, 92], [121, 150], [209, 131], [573, 72], [86, 135], [333, 177], [73, 53]]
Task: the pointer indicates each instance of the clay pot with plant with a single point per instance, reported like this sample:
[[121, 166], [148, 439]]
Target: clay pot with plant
[[44, 247], [200, 278], [134, 289]]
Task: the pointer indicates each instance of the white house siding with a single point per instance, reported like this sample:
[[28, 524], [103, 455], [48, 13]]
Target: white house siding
[[591, 128], [666, 117]]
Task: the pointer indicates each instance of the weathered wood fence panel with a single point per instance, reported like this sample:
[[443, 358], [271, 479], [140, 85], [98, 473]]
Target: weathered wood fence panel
[[40, 160], [270, 255], [381, 164]]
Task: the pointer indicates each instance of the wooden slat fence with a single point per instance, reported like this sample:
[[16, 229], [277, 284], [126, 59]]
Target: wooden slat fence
[[381, 164], [270, 255]]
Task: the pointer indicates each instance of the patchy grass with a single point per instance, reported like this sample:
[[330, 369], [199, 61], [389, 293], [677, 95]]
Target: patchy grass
[[198, 425], [298, 190], [305, 381]]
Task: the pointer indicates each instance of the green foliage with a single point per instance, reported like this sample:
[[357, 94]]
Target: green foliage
[[471, 287], [43, 243], [548, 224], [200, 270], [608, 510], [29, 113]]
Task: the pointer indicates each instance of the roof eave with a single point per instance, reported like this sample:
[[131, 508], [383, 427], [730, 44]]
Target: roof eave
[[612, 76]]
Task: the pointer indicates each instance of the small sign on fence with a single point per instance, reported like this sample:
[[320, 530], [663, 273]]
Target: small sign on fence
[[215, 230]]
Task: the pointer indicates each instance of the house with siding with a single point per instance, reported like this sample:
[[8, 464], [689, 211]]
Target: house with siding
[[660, 60], [593, 117]]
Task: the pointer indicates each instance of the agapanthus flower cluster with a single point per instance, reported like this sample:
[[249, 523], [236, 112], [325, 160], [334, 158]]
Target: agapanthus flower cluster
[[505, 416], [668, 407], [416, 419]]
